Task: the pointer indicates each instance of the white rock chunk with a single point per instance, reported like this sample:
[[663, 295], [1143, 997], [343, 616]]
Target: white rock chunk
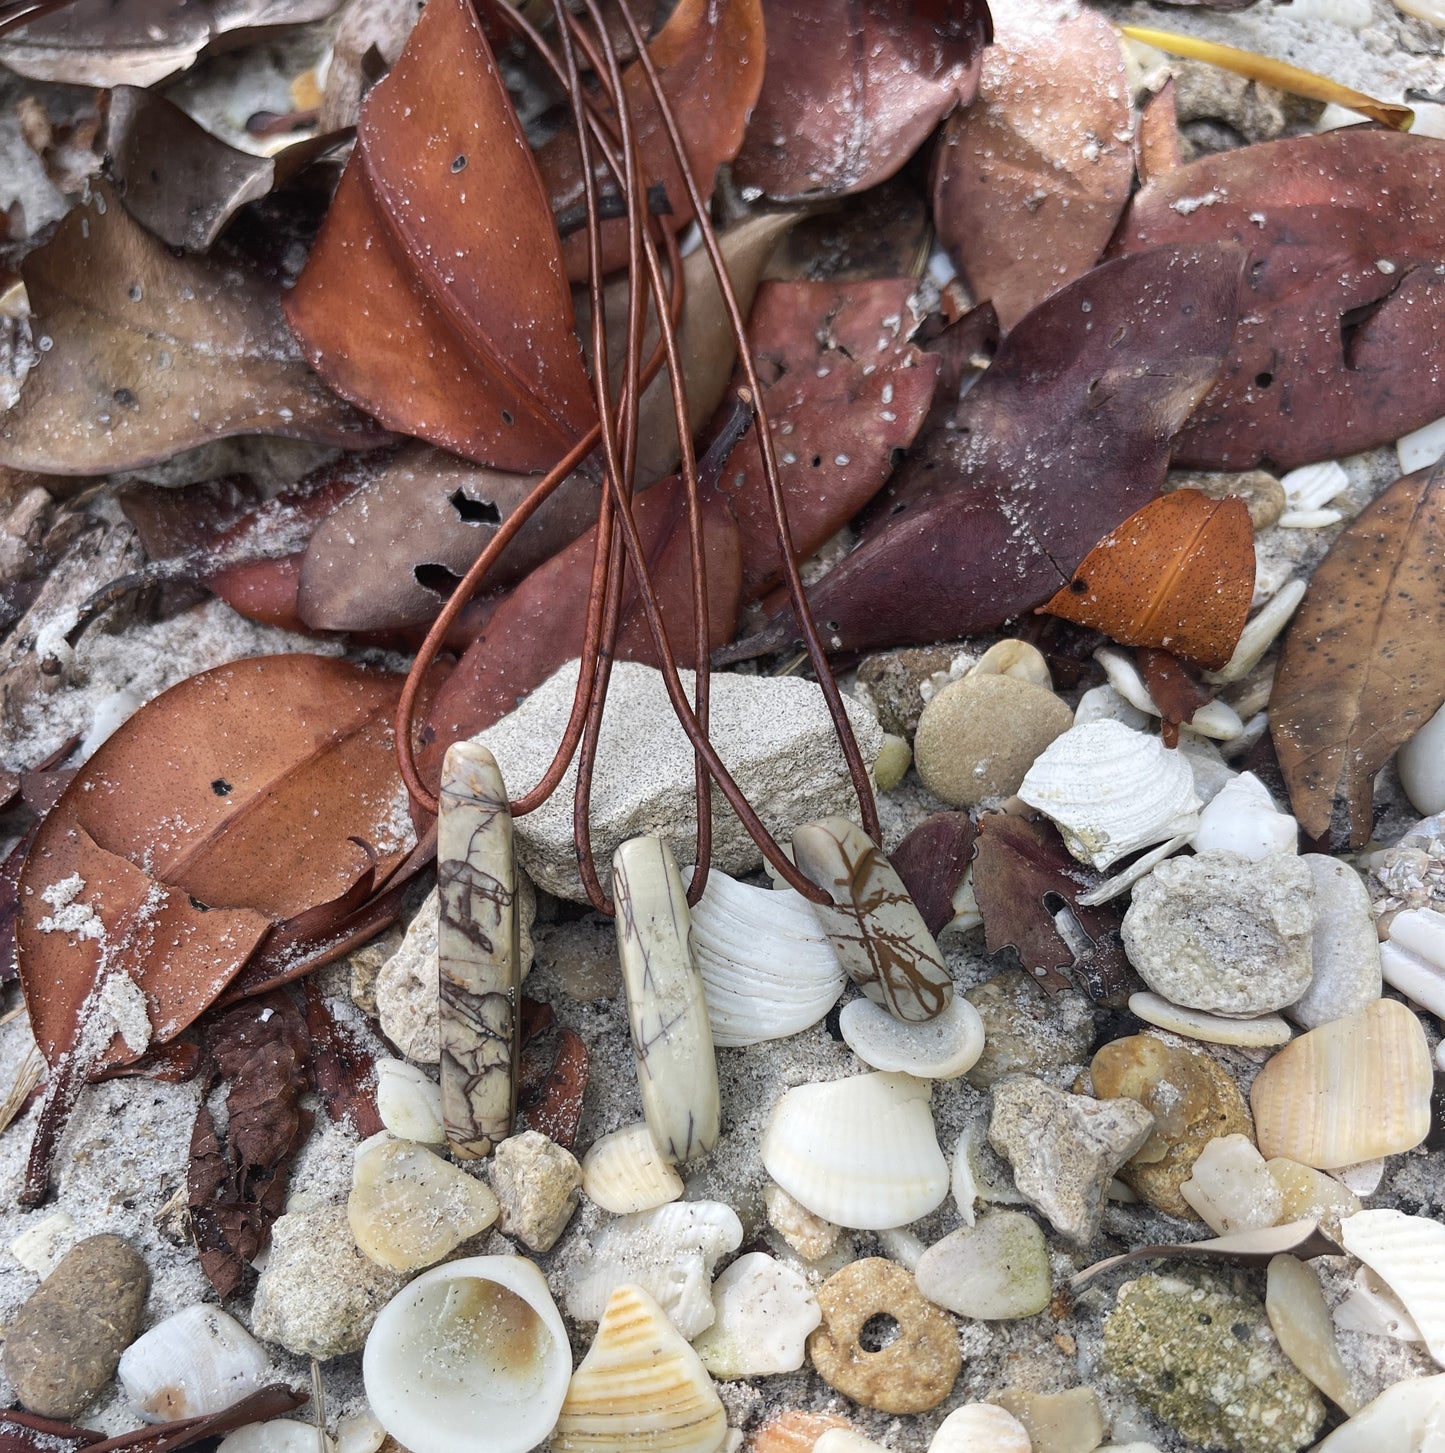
[[765, 1311], [1231, 1188], [409, 1102]]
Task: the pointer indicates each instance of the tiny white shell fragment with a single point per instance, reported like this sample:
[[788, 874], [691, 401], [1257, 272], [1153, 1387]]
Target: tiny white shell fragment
[[1313, 485], [941, 1048], [1259, 633], [1406, 1418], [360, 1433], [859, 1152], [1413, 958], [980, 1428], [1231, 1189], [1370, 1306], [767, 967], [1121, 882], [624, 1172], [1422, 446], [1243, 819], [409, 1102], [200, 1360], [1308, 519], [280, 1435], [1363, 1178], [474, 1346], [1421, 765], [40, 1246], [1020, 659], [1258, 1033], [1112, 791], [668, 1252], [1408, 1254], [902, 1246], [1103, 703], [765, 1311]]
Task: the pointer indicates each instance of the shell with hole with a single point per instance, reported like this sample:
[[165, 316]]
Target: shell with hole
[[626, 1172], [767, 967], [859, 1152], [472, 1354], [1112, 791]]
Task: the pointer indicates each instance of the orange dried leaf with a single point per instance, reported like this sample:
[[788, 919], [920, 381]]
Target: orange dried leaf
[[1177, 575]]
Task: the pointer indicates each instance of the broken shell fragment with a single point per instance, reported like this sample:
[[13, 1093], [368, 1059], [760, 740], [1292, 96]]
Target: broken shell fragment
[[470, 1349], [765, 1311], [1111, 791], [409, 1102], [1262, 1032], [875, 928], [767, 966], [941, 1048], [666, 1005], [1297, 1311], [859, 1152], [1408, 1254], [478, 952], [625, 1172], [640, 1386], [198, 1361], [1231, 1189], [1412, 960], [1351, 1090], [408, 1208], [980, 1428], [1406, 1418]]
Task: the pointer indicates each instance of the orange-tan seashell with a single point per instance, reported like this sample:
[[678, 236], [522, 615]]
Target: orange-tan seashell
[[793, 1431], [1355, 1089]]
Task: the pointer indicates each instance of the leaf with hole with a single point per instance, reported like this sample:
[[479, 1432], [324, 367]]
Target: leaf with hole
[[143, 354], [434, 296], [1363, 663]]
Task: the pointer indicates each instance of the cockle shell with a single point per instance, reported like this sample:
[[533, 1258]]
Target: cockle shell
[[472, 1354], [625, 1172], [1112, 791], [1408, 1254], [640, 1386], [1351, 1090], [670, 1253], [941, 1048], [198, 1361], [767, 967], [980, 1428], [859, 1152]]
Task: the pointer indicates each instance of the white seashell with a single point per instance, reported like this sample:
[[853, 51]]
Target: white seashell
[[1370, 1306], [360, 1433], [845, 1440], [669, 1253], [625, 1172], [1421, 765], [1308, 519], [1260, 1033], [1111, 888], [198, 1361], [1112, 791], [640, 1386], [1231, 1189], [472, 1354], [409, 1102], [1408, 1254], [980, 1428], [1313, 485], [666, 1006], [1413, 958], [280, 1435], [1243, 819], [970, 1180], [1103, 703], [1421, 447], [941, 1048], [1362, 1178], [965, 907], [408, 1207], [859, 1152], [1259, 633], [767, 966], [765, 1311], [1019, 659], [1406, 1418], [1297, 1311]]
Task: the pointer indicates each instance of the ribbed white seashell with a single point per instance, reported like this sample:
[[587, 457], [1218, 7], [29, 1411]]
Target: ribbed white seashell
[[1408, 1254], [1243, 819], [640, 1386], [767, 967], [980, 1428], [471, 1355], [198, 1361], [409, 1102], [669, 1253], [280, 1435], [1421, 447], [859, 1152], [1112, 791], [1261, 1033], [1413, 958], [765, 1311], [1406, 1418], [941, 1048], [1370, 1306], [625, 1172], [1421, 765]]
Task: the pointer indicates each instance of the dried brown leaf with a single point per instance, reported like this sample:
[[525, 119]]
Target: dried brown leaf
[[932, 861]]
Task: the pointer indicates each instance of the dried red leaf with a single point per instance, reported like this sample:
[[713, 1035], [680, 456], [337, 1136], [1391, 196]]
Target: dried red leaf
[[850, 92], [1342, 298], [844, 388], [1177, 575], [442, 227], [709, 59], [1175, 689], [932, 860], [345, 1070], [552, 1087], [1023, 876], [1030, 179]]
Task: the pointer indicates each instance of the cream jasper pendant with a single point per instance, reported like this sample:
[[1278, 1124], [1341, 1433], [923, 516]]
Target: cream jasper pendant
[[478, 953], [666, 1005]]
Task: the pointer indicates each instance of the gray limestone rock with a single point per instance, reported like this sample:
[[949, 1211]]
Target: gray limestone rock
[[1064, 1148], [1345, 948], [319, 1294], [773, 733], [1027, 1031], [536, 1183], [1221, 933]]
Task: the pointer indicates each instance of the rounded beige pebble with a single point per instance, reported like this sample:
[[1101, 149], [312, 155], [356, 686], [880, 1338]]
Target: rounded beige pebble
[[910, 1374], [978, 737]]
